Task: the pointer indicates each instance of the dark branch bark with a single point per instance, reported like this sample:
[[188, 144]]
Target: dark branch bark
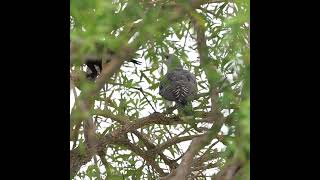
[[229, 171], [147, 157], [150, 146], [174, 140], [196, 145], [115, 138]]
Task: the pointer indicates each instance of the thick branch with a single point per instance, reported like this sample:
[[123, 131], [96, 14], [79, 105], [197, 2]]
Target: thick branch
[[150, 146], [173, 141], [113, 137], [204, 167], [146, 156], [229, 171], [196, 145], [184, 168]]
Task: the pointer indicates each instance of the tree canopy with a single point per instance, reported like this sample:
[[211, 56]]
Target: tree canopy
[[121, 128]]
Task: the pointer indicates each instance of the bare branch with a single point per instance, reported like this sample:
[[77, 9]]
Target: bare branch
[[184, 168], [146, 156], [229, 171], [141, 90], [150, 146], [204, 167], [174, 140]]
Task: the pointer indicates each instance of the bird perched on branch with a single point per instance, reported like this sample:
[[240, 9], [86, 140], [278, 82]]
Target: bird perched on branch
[[178, 85], [94, 64], [94, 61]]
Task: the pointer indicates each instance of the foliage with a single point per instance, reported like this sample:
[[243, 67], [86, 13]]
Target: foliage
[[152, 29]]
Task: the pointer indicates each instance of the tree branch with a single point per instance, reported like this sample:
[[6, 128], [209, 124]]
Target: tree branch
[[229, 171], [196, 145], [109, 69], [150, 146], [146, 156], [172, 141]]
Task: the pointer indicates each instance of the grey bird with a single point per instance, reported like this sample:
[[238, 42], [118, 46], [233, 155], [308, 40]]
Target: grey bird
[[178, 85]]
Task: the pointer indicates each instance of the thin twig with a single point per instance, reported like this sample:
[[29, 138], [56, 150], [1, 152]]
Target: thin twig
[[170, 109], [186, 37], [141, 90], [97, 166]]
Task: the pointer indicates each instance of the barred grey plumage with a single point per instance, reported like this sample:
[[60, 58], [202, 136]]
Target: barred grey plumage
[[178, 84]]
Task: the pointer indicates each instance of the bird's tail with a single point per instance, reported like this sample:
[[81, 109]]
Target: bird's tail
[[187, 112], [185, 109]]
